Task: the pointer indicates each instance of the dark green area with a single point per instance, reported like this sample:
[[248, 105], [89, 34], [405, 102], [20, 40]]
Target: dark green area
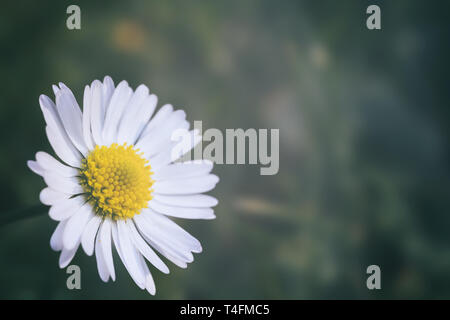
[[363, 117]]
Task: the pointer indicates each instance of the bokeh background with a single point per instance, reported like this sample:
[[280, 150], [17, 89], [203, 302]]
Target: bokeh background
[[364, 141]]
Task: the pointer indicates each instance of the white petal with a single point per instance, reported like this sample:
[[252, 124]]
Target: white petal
[[49, 197], [64, 209], [181, 212], [97, 112], [160, 116], [127, 123], [136, 278], [49, 163], [63, 147], [55, 89], [119, 101], [69, 185], [67, 255], [160, 136], [115, 237], [76, 224], [145, 250], [186, 186], [105, 242], [149, 282], [35, 167], [183, 170], [62, 86], [101, 263], [168, 238], [71, 117], [89, 233], [160, 160], [195, 200], [181, 237], [87, 134], [51, 117], [138, 123], [176, 149], [56, 242], [130, 257], [162, 139], [107, 92], [161, 243], [56, 133]]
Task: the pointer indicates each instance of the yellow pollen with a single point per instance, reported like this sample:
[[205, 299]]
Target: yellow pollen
[[117, 181]]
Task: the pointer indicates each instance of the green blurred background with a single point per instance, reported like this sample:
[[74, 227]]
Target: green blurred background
[[364, 135]]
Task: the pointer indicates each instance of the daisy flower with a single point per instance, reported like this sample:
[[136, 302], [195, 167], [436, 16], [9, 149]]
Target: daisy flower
[[118, 181]]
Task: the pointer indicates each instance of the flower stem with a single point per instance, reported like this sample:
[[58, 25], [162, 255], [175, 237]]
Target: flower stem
[[24, 213]]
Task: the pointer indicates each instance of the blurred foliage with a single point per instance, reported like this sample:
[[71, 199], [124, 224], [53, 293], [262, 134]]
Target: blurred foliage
[[363, 117]]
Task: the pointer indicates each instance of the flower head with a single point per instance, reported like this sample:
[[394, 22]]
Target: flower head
[[118, 181]]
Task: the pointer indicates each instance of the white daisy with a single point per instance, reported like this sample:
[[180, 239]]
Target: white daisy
[[119, 182]]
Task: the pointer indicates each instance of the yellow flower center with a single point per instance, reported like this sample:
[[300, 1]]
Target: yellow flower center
[[117, 181]]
